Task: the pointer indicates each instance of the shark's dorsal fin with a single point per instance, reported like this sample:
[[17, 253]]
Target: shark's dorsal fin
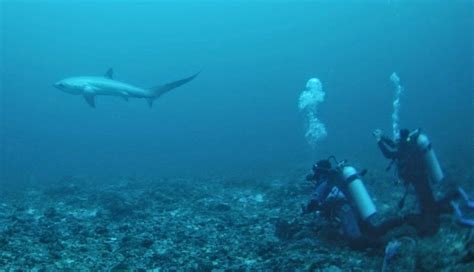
[[109, 73]]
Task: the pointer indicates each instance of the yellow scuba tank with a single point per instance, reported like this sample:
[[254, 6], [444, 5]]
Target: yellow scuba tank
[[429, 158]]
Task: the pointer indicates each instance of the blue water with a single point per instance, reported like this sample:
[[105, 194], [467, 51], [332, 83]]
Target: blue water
[[240, 115]]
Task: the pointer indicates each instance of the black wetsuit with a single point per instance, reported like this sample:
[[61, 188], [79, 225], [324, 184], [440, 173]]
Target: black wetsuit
[[411, 170]]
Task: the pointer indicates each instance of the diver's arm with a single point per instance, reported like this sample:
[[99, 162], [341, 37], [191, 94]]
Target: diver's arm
[[387, 147], [318, 197], [389, 142]]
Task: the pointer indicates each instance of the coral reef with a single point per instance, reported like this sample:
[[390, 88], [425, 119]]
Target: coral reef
[[214, 224]]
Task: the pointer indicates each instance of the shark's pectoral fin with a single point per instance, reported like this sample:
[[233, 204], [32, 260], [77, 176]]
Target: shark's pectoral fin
[[125, 96], [90, 100], [89, 96], [150, 101]]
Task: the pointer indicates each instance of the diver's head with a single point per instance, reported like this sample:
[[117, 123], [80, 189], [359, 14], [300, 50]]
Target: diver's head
[[321, 169], [404, 134]]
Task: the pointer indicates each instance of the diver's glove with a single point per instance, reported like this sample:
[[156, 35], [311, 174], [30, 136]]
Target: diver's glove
[[310, 207], [377, 134]]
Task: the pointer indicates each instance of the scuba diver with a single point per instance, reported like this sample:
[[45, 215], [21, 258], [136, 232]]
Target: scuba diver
[[341, 195], [417, 164]]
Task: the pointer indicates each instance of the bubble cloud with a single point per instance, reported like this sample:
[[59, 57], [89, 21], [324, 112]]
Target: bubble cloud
[[396, 105], [309, 101]]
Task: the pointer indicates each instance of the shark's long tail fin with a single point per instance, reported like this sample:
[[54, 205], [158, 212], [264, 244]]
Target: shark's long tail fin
[[162, 89]]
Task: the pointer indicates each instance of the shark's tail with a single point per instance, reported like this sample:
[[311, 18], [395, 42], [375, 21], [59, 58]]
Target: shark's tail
[[162, 89]]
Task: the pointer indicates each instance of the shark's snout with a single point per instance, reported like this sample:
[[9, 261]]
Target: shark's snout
[[59, 85], [67, 86]]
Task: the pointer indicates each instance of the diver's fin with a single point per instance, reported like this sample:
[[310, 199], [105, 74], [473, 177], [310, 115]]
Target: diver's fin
[[89, 96], [160, 90], [109, 73], [467, 200], [461, 219]]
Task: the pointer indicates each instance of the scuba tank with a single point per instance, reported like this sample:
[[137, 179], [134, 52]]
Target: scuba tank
[[357, 192], [350, 182], [429, 158]]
